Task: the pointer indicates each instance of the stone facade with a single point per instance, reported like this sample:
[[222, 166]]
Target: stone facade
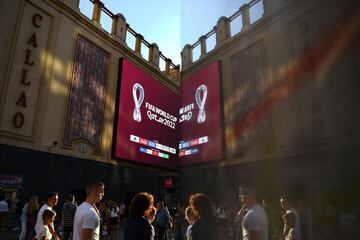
[[290, 91], [58, 80], [54, 62]]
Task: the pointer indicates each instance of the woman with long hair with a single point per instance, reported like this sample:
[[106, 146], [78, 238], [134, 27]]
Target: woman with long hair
[[205, 226], [137, 227], [31, 214]]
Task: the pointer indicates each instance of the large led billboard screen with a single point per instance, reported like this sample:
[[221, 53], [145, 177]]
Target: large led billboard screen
[[200, 117], [146, 124]]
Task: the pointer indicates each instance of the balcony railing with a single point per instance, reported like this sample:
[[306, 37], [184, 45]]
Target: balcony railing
[[119, 30], [225, 29]]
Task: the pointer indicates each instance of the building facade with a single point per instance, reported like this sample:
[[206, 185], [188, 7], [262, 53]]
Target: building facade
[[288, 85], [289, 89], [59, 76]]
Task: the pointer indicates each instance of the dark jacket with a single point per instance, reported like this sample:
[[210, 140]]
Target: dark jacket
[[138, 228], [204, 228]]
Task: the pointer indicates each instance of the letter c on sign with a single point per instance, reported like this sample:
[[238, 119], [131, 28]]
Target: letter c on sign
[[36, 20]]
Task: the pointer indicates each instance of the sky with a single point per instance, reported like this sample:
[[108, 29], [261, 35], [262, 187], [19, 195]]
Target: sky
[[169, 23]]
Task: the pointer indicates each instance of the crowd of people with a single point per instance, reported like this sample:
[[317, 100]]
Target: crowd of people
[[329, 215], [145, 219]]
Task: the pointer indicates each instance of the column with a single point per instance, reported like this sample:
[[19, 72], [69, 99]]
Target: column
[[222, 31], [139, 38], [177, 72], [118, 28], [186, 55], [154, 54], [202, 41], [266, 5], [167, 65], [245, 16], [97, 11]]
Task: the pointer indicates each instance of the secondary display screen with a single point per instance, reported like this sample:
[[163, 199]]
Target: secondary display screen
[[147, 126], [200, 117]]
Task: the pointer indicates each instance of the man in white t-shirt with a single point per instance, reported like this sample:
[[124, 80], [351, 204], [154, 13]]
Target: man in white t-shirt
[[254, 221], [286, 204], [52, 200], [87, 217]]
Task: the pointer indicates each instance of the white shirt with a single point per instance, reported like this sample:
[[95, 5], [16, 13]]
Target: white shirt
[[255, 220], [23, 213], [114, 212], [86, 216], [39, 219], [43, 231], [152, 231], [188, 232], [297, 222]]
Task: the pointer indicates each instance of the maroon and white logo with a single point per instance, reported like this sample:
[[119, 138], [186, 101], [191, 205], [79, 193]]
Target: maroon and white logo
[[201, 102], [137, 101]]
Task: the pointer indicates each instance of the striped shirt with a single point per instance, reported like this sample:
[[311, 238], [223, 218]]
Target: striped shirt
[[69, 210]]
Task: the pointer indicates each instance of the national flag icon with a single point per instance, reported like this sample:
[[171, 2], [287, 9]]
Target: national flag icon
[[173, 150], [149, 151], [188, 152], [161, 154], [181, 153], [142, 149], [185, 144], [203, 140], [194, 142], [155, 153], [159, 146], [134, 138], [143, 141], [166, 156], [152, 144], [166, 149], [194, 151]]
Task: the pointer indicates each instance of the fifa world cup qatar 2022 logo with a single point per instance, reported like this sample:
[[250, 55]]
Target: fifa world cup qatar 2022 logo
[[200, 101], [137, 101]]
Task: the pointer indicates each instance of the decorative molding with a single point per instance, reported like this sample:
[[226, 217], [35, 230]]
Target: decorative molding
[[86, 105], [249, 81]]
